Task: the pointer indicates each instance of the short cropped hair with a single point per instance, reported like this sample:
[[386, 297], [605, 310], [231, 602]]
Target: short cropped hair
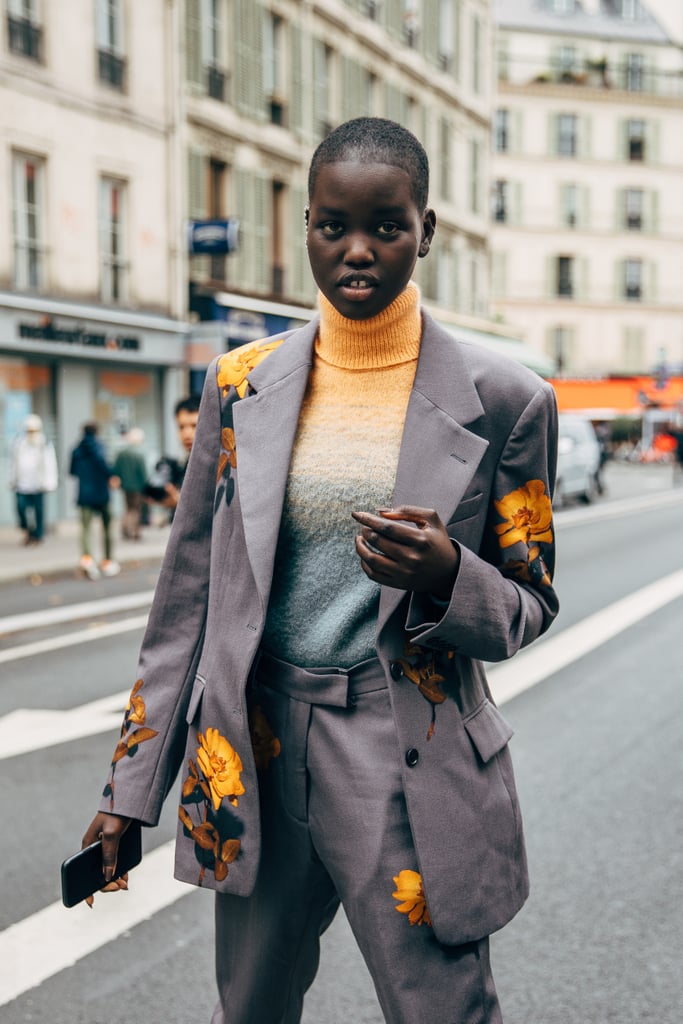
[[189, 404], [375, 140]]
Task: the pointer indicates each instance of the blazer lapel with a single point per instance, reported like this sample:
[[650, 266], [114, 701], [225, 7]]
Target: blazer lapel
[[439, 455], [265, 426]]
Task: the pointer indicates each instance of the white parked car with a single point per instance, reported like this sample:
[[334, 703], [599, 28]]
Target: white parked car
[[578, 459]]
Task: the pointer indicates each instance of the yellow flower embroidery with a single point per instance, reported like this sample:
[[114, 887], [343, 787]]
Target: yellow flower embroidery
[[528, 515], [221, 766], [135, 714], [228, 453], [265, 744], [234, 366], [409, 891]]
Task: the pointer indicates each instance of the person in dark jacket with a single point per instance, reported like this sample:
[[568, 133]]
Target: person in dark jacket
[[90, 466]]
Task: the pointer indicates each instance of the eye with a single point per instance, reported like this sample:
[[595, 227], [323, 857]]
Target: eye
[[387, 229], [331, 229]]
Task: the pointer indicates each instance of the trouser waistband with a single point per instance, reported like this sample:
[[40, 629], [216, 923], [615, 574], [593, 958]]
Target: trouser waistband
[[337, 687]]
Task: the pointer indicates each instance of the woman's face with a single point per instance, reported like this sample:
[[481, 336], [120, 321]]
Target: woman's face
[[364, 235]]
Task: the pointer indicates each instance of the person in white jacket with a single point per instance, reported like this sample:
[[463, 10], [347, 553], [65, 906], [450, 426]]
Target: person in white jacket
[[33, 472]]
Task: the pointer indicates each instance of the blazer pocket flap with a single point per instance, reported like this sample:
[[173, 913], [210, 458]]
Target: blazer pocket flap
[[466, 509], [488, 730], [195, 699]]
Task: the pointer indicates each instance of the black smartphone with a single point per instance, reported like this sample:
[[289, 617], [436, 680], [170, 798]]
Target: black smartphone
[[82, 873]]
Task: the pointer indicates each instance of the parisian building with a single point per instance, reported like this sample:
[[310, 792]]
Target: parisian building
[[587, 196], [92, 298]]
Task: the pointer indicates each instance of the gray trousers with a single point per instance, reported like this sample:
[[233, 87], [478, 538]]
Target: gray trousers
[[335, 829]]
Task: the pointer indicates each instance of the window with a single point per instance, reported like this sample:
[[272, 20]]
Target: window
[[561, 341], [561, 6], [634, 72], [569, 199], [28, 185], [446, 35], [411, 22], [277, 237], [273, 67], [213, 55], [628, 9], [217, 211], [369, 93], [567, 134], [502, 131], [24, 28], [113, 263], [371, 8], [565, 276], [633, 279], [445, 173], [110, 59], [635, 139], [633, 208], [565, 63], [500, 201]]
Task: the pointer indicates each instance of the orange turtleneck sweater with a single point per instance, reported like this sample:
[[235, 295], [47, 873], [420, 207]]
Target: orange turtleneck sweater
[[323, 608]]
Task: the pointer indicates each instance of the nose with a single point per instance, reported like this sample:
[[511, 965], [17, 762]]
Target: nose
[[359, 251]]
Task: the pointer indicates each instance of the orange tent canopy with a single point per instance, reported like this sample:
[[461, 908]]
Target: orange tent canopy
[[617, 396]]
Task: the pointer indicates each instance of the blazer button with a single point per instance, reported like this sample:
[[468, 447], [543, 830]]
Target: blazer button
[[396, 669], [412, 757]]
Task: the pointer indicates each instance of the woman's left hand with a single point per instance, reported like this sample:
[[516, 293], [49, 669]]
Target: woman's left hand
[[408, 548]]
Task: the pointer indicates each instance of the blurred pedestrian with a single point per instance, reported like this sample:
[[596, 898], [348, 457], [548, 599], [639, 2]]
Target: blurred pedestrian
[[163, 486], [90, 466], [33, 472], [131, 471]]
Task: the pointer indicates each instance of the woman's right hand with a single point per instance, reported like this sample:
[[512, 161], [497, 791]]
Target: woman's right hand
[[109, 828]]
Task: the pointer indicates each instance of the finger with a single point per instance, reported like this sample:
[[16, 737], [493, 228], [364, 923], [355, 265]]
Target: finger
[[411, 514], [111, 836]]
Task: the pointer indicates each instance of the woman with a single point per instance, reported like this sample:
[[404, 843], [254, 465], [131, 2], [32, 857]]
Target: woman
[[365, 518]]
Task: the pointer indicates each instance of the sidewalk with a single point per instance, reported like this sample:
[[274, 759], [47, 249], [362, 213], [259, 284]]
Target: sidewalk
[[60, 551]]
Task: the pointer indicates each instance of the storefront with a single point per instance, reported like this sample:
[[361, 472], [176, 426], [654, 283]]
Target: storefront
[[73, 363]]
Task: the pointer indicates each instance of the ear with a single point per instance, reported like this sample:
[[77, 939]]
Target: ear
[[428, 229]]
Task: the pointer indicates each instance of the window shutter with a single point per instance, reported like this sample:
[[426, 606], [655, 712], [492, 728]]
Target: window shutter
[[652, 142], [392, 102], [394, 18], [553, 147], [585, 140], [582, 289], [651, 282], [622, 140], [248, 62], [196, 177], [516, 134], [193, 42], [619, 209], [499, 275], [301, 287], [101, 27], [516, 204], [584, 206], [620, 280], [244, 256], [263, 229], [297, 81], [652, 224], [431, 43]]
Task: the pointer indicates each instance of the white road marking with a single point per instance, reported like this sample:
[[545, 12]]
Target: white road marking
[[548, 656], [28, 729], [55, 938], [72, 612], [616, 509], [94, 632]]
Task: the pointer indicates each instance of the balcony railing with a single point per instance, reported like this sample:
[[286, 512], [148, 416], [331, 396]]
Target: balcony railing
[[25, 37], [215, 83]]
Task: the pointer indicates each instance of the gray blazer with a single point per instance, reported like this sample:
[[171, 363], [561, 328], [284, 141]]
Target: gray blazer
[[478, 429]]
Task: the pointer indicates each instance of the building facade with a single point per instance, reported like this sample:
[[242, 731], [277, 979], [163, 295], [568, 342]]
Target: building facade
[[92, 295], [587, 205]]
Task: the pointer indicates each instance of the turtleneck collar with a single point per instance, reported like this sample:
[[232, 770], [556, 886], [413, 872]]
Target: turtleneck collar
[[391, 337]]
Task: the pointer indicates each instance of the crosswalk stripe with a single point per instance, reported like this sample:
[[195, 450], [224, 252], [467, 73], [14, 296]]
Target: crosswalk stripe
[[55, 938]]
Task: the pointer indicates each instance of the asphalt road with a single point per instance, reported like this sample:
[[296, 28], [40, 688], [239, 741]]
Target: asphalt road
[[598, 754]]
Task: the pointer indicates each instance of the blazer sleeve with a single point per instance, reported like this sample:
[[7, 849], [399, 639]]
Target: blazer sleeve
[[148, 755], [503, 597]]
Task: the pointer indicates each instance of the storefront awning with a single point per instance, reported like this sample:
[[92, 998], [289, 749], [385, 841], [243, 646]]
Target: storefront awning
[[618, 396]]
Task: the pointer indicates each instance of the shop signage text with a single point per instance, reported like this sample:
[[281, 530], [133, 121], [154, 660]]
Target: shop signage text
[[47, 331]]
